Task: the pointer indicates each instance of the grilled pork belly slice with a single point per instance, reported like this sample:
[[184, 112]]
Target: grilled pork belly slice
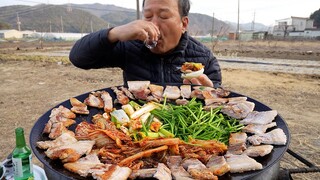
[[63, 112], [171, 92], [238, 109], [143, 173], [209, 92], [258, 128], [242, 163], [223, 101], [156, 91], [163, 172], [215, 101], [276, 136], [237, 143], [94, 101], [78, 106], [121, 96], [111, 172], [101, 139], [60, 118], [84, 165], [192, 162], [107, 101], [180, 173], [218, 165], [65, 138], [70, 152], [139, 89], [262, 117], [197, 169], [177, 171], [174, 161], [127, 92], [57, 129], [255, 151], [185, 91], [182, 101]]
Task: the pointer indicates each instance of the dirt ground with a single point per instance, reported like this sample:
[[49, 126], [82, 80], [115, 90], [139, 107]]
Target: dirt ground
[[29, 88]]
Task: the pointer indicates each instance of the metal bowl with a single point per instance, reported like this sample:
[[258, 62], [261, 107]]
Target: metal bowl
[[2, 170], [54, 168]]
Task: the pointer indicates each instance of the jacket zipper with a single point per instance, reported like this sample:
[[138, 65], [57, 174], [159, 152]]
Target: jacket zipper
[[162, 70]]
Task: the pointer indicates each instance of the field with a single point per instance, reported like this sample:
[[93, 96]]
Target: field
[[34, 79]]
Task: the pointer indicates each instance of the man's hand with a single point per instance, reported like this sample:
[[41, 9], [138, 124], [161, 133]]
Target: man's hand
[[201, 80], [135, 30]]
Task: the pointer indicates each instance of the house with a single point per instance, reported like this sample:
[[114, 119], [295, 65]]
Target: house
[[246, 35], [293, 26], [63, 36], [252, 35], [10, 34]]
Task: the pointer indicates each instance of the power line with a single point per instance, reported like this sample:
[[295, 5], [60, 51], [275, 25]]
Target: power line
[[24, 12]]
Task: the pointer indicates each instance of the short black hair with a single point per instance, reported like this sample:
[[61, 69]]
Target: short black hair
[[183, 5]]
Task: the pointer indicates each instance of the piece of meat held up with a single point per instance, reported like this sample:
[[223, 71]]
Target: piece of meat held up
[[191, 70]]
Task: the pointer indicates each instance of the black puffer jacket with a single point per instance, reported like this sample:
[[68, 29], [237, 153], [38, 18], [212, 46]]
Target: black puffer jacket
[[138, 63]]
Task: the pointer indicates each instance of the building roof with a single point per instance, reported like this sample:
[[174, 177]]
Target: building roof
[[292, 17], [7, 30]]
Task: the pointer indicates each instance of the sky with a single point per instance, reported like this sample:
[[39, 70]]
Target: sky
[[259, 11]]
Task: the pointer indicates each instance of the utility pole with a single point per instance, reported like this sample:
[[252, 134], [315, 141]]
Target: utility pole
[[18, 22], [238, 25], [69, 8], [212, 30], [61, 21], [253, 22], [138, 9]]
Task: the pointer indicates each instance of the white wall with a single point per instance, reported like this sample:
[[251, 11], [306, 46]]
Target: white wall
[[299, 24], [8, 34], [309, 33]]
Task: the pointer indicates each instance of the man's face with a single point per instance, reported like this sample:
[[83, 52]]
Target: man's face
[[165, 15]]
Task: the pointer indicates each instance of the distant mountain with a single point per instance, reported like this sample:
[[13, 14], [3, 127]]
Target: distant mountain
[[199, 24], [83, 18], [41, 17], [248, 26]]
